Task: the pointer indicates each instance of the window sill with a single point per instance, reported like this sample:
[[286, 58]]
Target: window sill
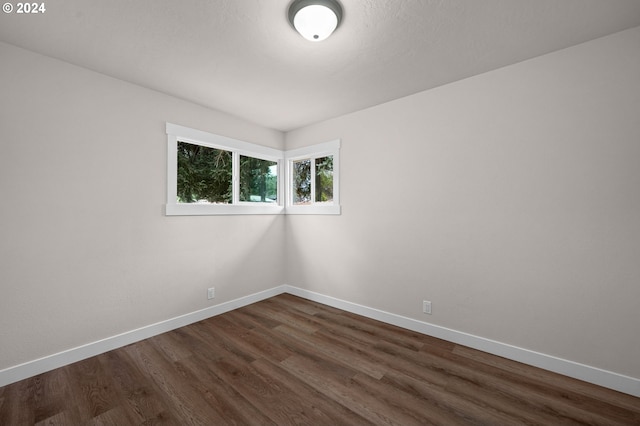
[[243, 209], [220, 209], [314, 209]]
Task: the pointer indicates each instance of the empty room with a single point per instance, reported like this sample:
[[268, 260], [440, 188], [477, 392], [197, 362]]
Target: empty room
[[320, 212]]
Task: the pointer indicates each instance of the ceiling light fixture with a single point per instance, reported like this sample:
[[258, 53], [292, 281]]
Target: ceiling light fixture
[[315, 20]]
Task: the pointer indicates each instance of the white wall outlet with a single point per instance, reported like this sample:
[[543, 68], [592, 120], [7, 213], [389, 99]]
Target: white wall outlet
[[426, 307], [211, 292]]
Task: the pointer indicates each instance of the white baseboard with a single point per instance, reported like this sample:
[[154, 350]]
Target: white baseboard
[[608, 379], [60, 359], [604, 378]]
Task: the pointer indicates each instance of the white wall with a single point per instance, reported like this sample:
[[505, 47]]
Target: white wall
[[511, 200], [85, 249]]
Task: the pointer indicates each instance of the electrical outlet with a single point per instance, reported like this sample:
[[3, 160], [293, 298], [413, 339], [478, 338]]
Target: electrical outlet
[[211, 292], [426, 307]]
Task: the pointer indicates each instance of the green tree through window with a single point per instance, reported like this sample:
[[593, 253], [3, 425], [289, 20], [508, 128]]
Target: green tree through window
[[302, 182], [258, 180], [324, 179], [204, 174], [322, 172]]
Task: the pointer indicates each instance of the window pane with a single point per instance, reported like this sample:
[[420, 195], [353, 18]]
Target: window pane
[[258, 180], [204, 174], [302, 182], [324, 179]]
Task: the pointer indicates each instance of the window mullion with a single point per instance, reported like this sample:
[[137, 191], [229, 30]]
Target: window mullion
[[313, 180], [288, 183], [281, 179], [235, 181]]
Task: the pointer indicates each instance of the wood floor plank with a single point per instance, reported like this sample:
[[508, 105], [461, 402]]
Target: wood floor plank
[[289, 318], [321, 379], [232, 406], [425, 399], [270, 395], [248, 341], [297, 347], [16, 403], [523, 412], [136, 389], [317, 401], [50, 392], [177, 393], [560, 390], [287, 360], [260, 341], [549, 378], [221, 342], [175, 346], [92, 389], [67, 417], [529, 391], [329, 349]]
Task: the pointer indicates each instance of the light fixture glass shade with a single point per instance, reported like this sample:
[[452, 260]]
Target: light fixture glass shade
[[315, 20]]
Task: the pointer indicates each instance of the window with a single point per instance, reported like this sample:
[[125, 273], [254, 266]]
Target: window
[[258, 180], [306, 193], [209, 174], [301, 182], [204, 174], [313, 179]]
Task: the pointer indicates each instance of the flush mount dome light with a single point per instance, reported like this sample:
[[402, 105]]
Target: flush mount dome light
[[315, 20]]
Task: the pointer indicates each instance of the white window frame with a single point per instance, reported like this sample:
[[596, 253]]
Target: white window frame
[[284, 204], [313, 152], [177, 133]]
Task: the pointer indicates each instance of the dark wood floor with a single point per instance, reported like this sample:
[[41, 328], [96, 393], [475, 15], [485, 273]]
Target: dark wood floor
[[291, 361]]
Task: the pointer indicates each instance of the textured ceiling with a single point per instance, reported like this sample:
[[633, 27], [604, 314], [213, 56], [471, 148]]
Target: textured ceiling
[[242, 56]]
